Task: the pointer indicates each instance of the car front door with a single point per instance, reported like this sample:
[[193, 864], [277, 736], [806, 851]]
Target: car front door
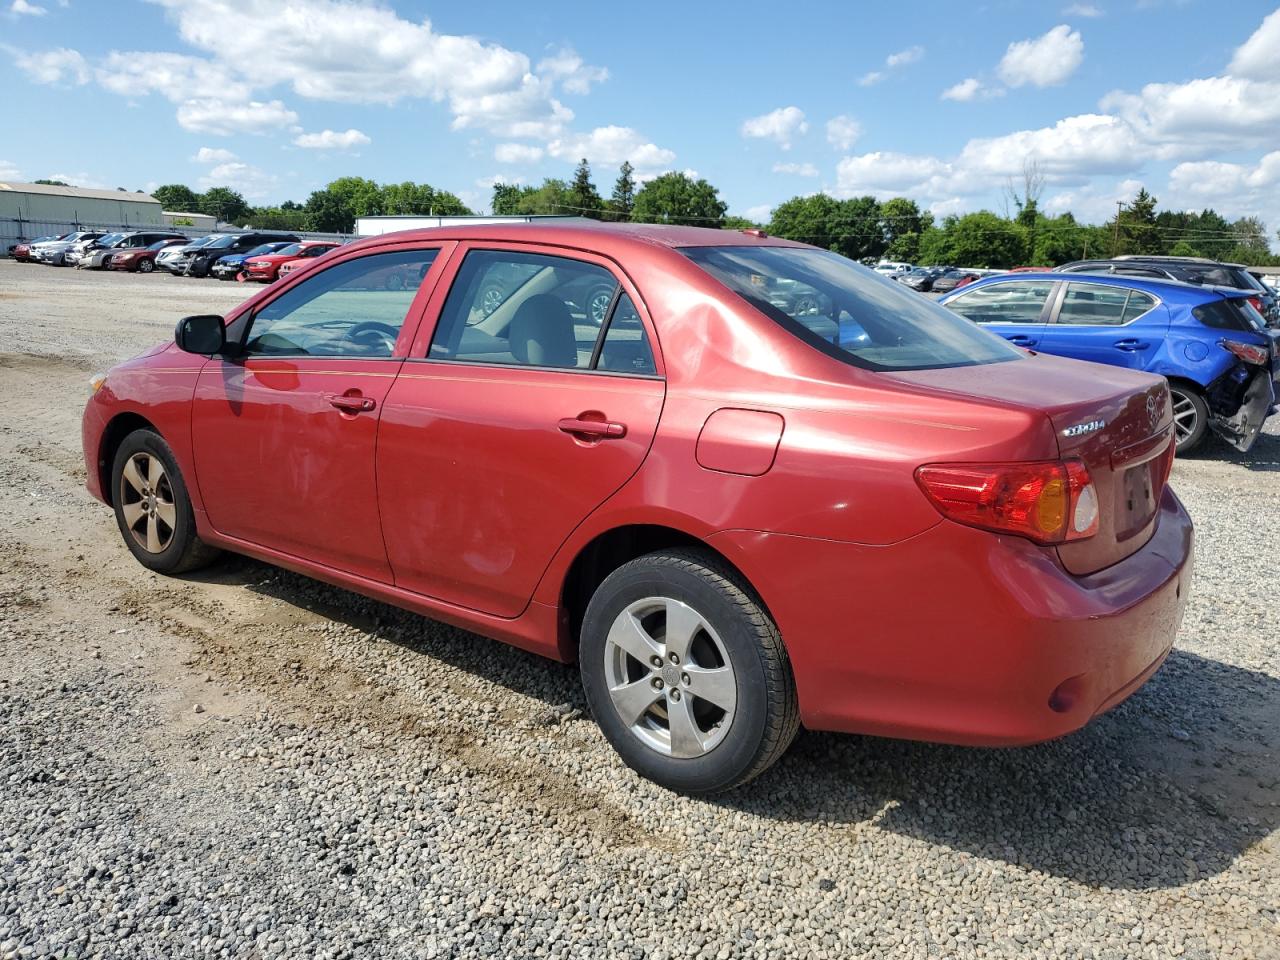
[[1015, 309], [516, 419], [284, 433], [1106, 324]]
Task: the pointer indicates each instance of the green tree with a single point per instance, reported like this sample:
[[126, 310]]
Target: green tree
[[53, 183], [624, 193], [1250, 241], [506, 199], [287, 216], [1054, 240], [981, 239], [739, 223], [903, 224], [224, 203], [177, 197], [813, 219], [1134, 229], [327, 212], [419, 198], [583, 197], [678, 198]]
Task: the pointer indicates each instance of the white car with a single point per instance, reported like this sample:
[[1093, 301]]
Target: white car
[[55, 251], [892, 269]]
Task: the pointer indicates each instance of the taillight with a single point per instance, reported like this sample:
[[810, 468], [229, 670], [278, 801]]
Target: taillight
[[1051, 501], [1255, 303], [1248, 352]]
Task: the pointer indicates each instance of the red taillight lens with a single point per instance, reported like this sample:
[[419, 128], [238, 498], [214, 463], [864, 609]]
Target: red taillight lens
[[1051, 501], [1255, 303], [1248, 352]]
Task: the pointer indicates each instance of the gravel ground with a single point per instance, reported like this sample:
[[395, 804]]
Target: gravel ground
[[247, 763]]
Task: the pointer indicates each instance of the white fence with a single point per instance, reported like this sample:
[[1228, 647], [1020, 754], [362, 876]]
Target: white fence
[[14, 230]]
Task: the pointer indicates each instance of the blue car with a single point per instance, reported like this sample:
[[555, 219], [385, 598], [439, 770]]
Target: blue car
[[1214, 348], [229, 267]]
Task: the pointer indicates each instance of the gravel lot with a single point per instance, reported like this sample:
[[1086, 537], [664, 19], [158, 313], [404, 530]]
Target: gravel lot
[[247, 763]]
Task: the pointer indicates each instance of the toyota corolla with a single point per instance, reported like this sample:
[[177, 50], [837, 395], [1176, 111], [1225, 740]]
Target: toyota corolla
[[846, 508]]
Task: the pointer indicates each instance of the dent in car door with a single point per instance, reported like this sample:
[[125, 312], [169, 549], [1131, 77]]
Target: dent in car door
[[484, 468]]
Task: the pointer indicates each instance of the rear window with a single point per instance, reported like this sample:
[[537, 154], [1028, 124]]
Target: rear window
[[848, 311], [1229, 315]]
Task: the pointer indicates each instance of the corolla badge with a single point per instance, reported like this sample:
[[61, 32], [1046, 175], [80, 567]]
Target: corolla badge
[[1080, 429]]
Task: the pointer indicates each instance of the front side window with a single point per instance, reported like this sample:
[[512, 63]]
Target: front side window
[[1018, 301], [847, 311], [1089, 304], [339, 312], [524, 309]]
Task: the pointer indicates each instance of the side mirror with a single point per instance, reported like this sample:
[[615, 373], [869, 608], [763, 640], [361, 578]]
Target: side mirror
[[204, 333]]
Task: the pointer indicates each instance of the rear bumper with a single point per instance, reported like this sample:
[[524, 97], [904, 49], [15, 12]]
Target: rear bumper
[[959, 636]]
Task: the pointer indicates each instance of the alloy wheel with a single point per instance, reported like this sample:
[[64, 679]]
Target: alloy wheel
[[146, 500], [598, 306], [1186, 419], [670, 678]]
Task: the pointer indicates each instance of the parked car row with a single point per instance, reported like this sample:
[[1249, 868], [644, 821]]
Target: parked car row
[[227, 256]]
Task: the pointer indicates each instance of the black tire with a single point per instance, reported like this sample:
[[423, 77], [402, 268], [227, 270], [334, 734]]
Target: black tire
[[1188, 402], [146, 266], [766, 715], [184, 550]]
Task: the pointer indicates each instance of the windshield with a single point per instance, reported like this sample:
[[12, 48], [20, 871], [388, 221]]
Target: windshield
[[290, 250], [161, 244], [263, 248], [849, 312], [110, 239], [219, 243]]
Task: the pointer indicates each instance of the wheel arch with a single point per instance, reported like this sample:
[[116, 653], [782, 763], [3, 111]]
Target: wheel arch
[[610, 549], [117, 428]]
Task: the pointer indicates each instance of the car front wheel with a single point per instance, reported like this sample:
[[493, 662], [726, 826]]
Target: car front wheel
[[146, 266], [686, 674], [1190, 417], [152, 508]]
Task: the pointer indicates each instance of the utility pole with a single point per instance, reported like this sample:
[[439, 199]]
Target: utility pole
[[1115, 239]]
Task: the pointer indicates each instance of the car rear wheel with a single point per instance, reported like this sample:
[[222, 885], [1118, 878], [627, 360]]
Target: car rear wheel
[[152, 508], [1190, 417], [146, 266], [686, 674]]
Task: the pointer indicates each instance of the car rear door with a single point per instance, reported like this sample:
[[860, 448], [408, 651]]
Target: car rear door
[[512, 420], [1015, 309], [284, 434], [1104, 323]]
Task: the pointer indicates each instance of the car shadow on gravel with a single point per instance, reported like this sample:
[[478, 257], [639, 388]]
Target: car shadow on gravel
[[1174, 785], [1263, 456]]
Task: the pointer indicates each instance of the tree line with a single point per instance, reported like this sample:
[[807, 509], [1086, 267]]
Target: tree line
[[861, 228]]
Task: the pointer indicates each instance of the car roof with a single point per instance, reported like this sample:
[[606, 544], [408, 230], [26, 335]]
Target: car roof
[[587, 234], [1168, 290]]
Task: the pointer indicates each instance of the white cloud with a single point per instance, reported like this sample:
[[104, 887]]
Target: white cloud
[[22, 7], [904, 57], [214, 155], [332, 140], [1234, 189], [81, 179], [759, 213], [963, 91], [1183, 119], [781, 126], [175, 76], [1086, 144], [1082, 10], [575, 75], [252, 182], [1045, 61], [870, 79], [1258, 58], [517, 153], [212, 115], [488, 183], [843, 131], [886, 173], [54, 66], [796, 169], [9, 171], [609, 146]]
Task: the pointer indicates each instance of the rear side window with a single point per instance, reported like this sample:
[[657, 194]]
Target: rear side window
[[1229, 315], [1089, 304], [537, 310], [1019, 301], [848, 311]]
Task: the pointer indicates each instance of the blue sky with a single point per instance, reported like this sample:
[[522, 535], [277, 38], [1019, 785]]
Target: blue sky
[[766, 100]]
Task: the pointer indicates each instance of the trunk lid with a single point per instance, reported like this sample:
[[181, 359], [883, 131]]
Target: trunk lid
[[1119, 422]]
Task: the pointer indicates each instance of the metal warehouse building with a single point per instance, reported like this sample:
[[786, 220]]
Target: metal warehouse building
[[35, 209]]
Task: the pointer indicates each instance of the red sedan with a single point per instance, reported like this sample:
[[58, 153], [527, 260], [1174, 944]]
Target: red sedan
[[266, 269], [143, 260], [770, 488]]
